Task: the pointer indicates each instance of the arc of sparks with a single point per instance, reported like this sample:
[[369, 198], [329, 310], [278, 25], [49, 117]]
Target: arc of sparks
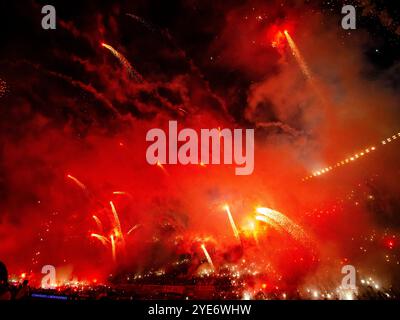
[[101, 238], [275, 217], [77, 182], [124, 62]]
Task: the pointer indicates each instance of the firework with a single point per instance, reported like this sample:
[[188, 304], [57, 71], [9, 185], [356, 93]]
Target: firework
[[98, 222], [78, 183], [298, 56], [117, 223], [209, 260], [3, 88], [232, 222], [113, 248], [305, 70], [101, 238], [159, 164], [151, 27], [268, 221], [356, 156], [253, 229], [78, 84], [125, 63], [283, 222], [148, 25]]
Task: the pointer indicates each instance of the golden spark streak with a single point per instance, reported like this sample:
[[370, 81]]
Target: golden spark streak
[[133, 228], [101, 238], [113, 248], [117, 222], [98, 222], [124, 62], [80, 184], [298, 56], [208, 257], [284, 222], [232, 222]]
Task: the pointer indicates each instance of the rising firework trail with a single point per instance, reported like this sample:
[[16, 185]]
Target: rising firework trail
[[101, 238], [208, 257], [232, 222], [125, 63]]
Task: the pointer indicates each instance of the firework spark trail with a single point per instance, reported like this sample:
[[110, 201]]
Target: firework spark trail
[[133, 229], [98, 222], [101, 238], [78, 183], [298, 56], [76, 83], [3, 88], [353, 158], [159, 164], [113, 248], [194, 68], [117, 223], [208, 257], [268, 221], [284, 222], [305, 69], [232, 222], [125, 63], [142, 21]]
